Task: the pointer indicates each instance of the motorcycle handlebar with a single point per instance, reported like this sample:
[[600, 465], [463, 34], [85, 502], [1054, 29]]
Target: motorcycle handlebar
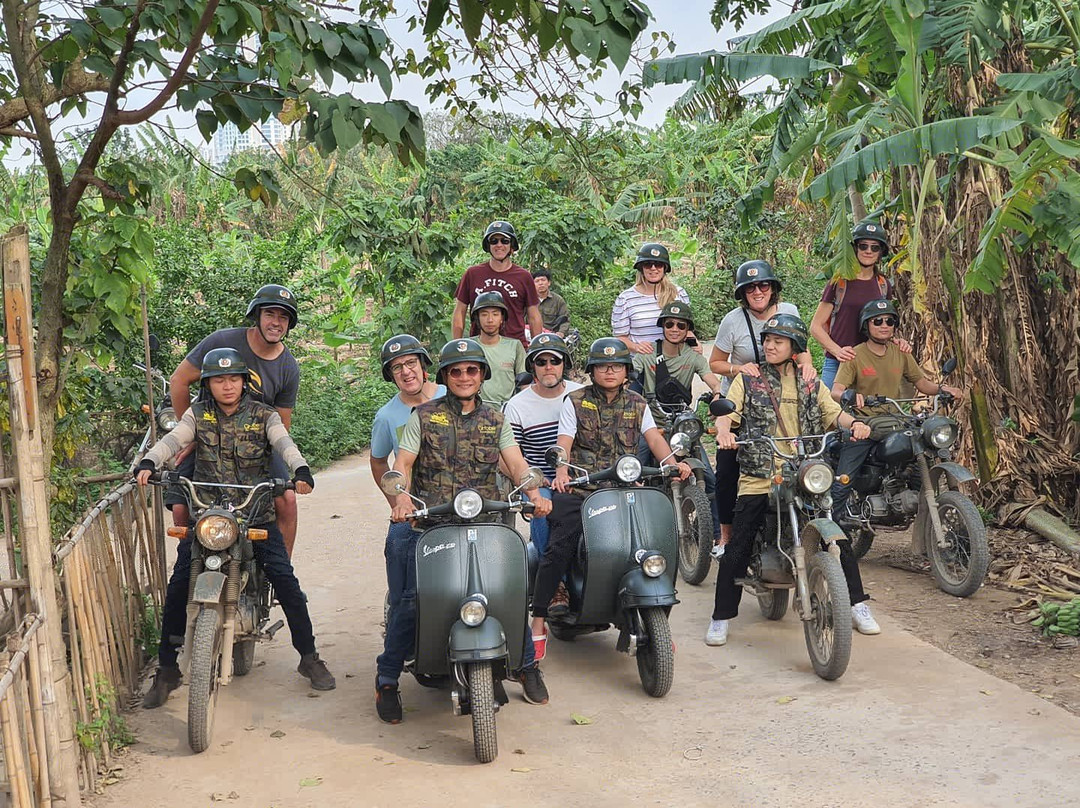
[[798, 440], [276, 485], [489, 506]]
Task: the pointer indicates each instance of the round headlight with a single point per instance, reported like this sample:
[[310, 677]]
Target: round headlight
[[167, 419], [473, 611], [468, 503], [939, 432], [689, 425], [654, 565], [216, 531], [816, 477], [628, 469], [212, 562]]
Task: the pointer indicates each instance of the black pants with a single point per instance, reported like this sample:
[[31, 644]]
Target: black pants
[[565, 521], [727, 484], [750, 513], [275, 562]]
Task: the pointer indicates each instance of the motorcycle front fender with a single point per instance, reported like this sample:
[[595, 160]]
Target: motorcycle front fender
[[638, 590], [956, 477], [208, 587], [826, 530], [481, 643]]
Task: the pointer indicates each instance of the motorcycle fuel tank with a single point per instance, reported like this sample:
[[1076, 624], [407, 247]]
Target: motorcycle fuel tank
[[442, 578], [897, 448]]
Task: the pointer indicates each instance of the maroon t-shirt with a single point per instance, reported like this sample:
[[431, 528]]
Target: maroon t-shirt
[[845, 329], [515, 285]]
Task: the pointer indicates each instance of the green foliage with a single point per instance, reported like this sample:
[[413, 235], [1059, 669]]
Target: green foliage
[[149, 628], [108, 725]]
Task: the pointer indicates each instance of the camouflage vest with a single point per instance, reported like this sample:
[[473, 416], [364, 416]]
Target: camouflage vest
[[759, 417], [456, 451], [233, 449], [605, 432]]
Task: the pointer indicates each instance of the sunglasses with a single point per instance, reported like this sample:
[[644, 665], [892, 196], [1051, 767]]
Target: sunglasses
[[498, 240], [760, 286], [400, 367], [869, 246], [682, 325], [543, 362], [879, 321], [652, 265], [458, 371]]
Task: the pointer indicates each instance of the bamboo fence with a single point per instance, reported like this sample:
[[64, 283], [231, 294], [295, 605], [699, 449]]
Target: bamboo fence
[[21, 716]]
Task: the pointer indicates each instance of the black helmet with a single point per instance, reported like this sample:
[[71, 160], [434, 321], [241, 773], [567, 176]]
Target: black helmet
[[608, 351], [652, 252], [399, 346], [548, 343], [876, 308], [500, 228], [223, 362], [489, 300], [273, 295], [790, 326], [870, 231], [755, 272], [677, 310], [461, 350]]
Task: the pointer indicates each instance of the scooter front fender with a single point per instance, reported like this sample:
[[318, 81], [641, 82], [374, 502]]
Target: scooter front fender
[[637, 590], [481, 643]]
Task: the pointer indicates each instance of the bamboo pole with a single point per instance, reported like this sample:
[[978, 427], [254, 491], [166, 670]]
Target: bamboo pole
[[34, 516], [157, 535], [38, 787], [13, 748], [99, 662]]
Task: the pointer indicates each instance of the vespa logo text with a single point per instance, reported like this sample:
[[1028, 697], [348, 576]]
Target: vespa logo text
[[438, 548], [597, 511]]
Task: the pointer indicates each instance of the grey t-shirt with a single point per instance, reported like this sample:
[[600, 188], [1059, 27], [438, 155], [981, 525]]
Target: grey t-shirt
[[734, 337], [273, 381]]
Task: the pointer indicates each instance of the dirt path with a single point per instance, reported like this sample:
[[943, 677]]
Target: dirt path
[[746, 724]]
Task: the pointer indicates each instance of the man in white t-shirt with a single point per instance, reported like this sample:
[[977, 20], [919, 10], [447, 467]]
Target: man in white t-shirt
[[534, 413]]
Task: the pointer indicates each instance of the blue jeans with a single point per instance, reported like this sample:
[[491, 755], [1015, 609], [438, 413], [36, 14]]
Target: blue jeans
[[539, 529], [828, 371], [400, 553], [648, 459]]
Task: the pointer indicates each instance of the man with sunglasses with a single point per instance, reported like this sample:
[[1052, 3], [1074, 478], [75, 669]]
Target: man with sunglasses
[[499, 274], [877, 368], [448, 444]]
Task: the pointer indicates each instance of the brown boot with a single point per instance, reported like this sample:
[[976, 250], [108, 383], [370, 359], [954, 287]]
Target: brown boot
[[166, 680], [315, 669]]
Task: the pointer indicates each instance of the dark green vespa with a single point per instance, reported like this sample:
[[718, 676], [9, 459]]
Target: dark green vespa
[[624, 570], [472, 582]]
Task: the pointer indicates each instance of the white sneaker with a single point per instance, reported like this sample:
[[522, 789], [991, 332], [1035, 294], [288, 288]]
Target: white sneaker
[[863, 620], [717, 633]]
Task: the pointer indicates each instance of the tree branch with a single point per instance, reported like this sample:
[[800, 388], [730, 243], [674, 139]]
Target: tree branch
[[106, 190], [76, 82], [11, 131]]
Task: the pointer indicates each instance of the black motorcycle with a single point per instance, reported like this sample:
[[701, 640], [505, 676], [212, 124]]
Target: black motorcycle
[[908, 477]]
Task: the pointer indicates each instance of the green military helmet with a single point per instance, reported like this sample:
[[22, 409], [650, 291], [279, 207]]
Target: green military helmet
[[461, 350], [651, 252], [870, 231], [499, 228], [676, 310], [273, 294], [608, 351], [876, 308], [790, 326], [548, 343], [399, 346], [756, 271], [223, 362], [489, 300]]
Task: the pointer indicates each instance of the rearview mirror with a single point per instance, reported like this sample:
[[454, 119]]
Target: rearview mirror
[[555, 456], [848, 399], [530, 478], [949, 366], [393, 483], [680, 444], [721, 406]]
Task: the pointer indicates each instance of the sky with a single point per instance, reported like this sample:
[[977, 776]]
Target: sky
[[687, 21]]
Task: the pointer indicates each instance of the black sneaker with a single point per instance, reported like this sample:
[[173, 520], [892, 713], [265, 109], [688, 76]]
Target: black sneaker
[[166, 680], [532, 682], [315, 669], [388, 702]]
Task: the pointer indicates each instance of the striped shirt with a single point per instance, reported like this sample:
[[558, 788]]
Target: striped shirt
[[535, 422], [634, 315]]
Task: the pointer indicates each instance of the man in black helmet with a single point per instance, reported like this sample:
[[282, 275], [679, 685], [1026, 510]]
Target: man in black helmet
[[274, 380], [500, 274]]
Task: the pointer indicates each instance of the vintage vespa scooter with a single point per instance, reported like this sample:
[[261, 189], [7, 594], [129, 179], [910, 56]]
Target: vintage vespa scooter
[[472, 586]]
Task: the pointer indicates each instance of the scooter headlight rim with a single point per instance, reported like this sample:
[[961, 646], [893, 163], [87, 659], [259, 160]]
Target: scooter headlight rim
[[653, 564], [473, 610], [628, 469], [468, 504], [216, 530], [816, 478]]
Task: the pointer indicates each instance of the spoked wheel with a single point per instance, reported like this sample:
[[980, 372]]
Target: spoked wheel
[[243, 657], [656, 661], [205, 665], [960, 567], [482, 701], [828, 631], [773, 603], [696, 542]]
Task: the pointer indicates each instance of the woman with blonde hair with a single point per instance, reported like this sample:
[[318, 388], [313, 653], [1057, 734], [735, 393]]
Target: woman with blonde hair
[[634, 315]]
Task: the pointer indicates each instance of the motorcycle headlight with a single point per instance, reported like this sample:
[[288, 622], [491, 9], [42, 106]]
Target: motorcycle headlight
[[216, 531], [468, 503], [816, 477], [652, 564], [939, 432], [474, 610], [690, 426], [628, 469], [212, 562], [167, 419]]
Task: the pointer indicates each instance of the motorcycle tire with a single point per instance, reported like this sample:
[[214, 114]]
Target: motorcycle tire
[[203, 690], [828, 631], [482, 701], [696, 544], [773, 603], [656, 661], [243, 657], [860, 545], [960, 568]]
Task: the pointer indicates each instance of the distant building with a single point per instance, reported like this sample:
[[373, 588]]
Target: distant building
[[228, 140]]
